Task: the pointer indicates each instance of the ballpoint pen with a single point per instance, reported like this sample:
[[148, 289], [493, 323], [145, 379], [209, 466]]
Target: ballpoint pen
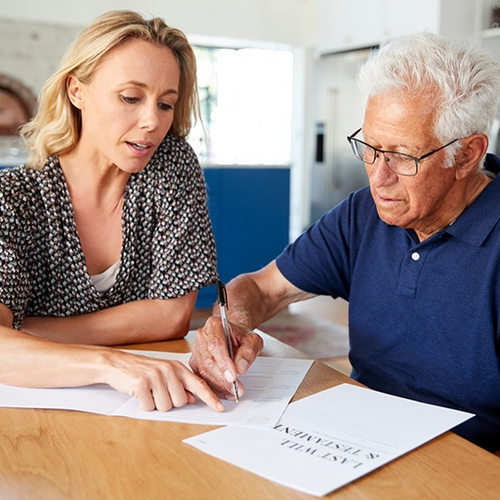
[[222, 299]]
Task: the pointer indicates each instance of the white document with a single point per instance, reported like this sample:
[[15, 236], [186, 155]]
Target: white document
[[327, 440], [270, 383]]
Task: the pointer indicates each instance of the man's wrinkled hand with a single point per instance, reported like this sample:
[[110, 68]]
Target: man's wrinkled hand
[[210, 358]]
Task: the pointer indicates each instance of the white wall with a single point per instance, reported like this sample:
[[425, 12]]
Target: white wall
[[282, 21], [34, 34], [30, 51]]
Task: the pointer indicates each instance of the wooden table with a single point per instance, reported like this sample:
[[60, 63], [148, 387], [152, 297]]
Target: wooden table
[[54, 454]]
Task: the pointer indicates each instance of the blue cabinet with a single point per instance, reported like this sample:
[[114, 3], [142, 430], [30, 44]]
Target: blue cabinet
[[250, 210]]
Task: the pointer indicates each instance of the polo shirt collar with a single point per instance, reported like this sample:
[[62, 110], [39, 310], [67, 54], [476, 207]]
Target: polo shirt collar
[[475, 224]]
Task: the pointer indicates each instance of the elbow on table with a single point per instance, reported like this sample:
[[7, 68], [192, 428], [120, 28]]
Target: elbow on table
[[176, 326], [174, 319], [180, 330], [169, 329]]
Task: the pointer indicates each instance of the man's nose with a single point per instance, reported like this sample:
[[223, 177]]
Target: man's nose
[[379, 172]]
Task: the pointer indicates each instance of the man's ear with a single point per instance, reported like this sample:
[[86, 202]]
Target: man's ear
[[473, 150], [74, 88]]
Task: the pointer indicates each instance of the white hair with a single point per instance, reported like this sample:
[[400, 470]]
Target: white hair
[[459, 77]]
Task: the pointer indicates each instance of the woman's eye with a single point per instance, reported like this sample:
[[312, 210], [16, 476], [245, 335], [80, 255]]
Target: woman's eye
[[164, 106], [129, 100]]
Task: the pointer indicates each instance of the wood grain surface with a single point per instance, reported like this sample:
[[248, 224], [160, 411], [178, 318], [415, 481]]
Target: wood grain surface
[[55, 454]]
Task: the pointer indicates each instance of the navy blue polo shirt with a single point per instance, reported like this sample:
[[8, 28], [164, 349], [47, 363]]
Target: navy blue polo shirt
[[423, 317]]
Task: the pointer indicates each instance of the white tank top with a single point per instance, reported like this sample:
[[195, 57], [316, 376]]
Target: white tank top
[[104, 281]]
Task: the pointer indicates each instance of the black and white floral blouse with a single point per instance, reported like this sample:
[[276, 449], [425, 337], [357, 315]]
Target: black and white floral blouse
[[168, 247]]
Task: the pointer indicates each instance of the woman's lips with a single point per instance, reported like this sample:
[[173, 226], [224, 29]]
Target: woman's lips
[[140, 148]]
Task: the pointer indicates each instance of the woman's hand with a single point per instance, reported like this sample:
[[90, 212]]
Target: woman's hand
[[157, 383], [210, 358]]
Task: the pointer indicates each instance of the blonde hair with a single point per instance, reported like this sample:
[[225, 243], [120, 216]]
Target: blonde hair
[[55, 129]]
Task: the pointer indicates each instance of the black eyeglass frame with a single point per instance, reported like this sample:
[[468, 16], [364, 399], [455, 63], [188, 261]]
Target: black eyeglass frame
[[351, 138]]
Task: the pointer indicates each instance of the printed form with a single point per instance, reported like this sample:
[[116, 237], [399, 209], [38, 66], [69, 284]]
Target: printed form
[[331, 438], [270, 384]]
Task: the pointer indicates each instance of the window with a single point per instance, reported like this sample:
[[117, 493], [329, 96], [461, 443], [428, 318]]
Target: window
[[246, 106]]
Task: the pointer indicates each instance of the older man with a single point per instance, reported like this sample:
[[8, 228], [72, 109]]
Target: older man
[[416, 254]]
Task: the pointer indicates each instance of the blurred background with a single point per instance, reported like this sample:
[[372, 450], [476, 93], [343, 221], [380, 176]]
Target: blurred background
[[278, 97]]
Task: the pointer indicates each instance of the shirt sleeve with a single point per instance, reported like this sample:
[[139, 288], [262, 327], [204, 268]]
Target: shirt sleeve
[[15, 282], [184, 257], [321, 260]]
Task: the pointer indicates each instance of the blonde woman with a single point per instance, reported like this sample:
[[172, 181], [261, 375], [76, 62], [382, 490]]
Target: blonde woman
[[104, 233]]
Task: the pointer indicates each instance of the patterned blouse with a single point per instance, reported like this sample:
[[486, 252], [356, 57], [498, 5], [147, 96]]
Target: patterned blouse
[[168, 247]]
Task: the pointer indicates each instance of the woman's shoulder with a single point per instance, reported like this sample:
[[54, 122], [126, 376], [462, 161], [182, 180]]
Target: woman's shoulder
[[17, 197], [173, 146], [174, 157], [15, 179], [22, 183], [24, 172]]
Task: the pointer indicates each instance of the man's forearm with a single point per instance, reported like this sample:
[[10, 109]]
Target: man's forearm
[[256, 297], [247, 304]]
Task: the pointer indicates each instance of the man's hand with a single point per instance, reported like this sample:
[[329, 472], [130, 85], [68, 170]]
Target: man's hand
[[252, 299], [210, 358]]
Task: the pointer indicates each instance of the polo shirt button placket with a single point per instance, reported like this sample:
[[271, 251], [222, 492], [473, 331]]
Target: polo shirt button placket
[[411, 267]]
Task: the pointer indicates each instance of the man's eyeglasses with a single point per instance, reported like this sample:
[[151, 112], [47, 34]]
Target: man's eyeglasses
[[399, 163]]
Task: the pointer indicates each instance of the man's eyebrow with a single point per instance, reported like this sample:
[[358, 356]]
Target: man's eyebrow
[[402, 146]]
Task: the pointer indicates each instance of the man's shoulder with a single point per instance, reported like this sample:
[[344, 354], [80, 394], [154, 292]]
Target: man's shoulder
[[358, 204]]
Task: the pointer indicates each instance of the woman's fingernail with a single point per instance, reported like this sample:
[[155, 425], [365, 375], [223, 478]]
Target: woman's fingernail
[[229, 376]]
